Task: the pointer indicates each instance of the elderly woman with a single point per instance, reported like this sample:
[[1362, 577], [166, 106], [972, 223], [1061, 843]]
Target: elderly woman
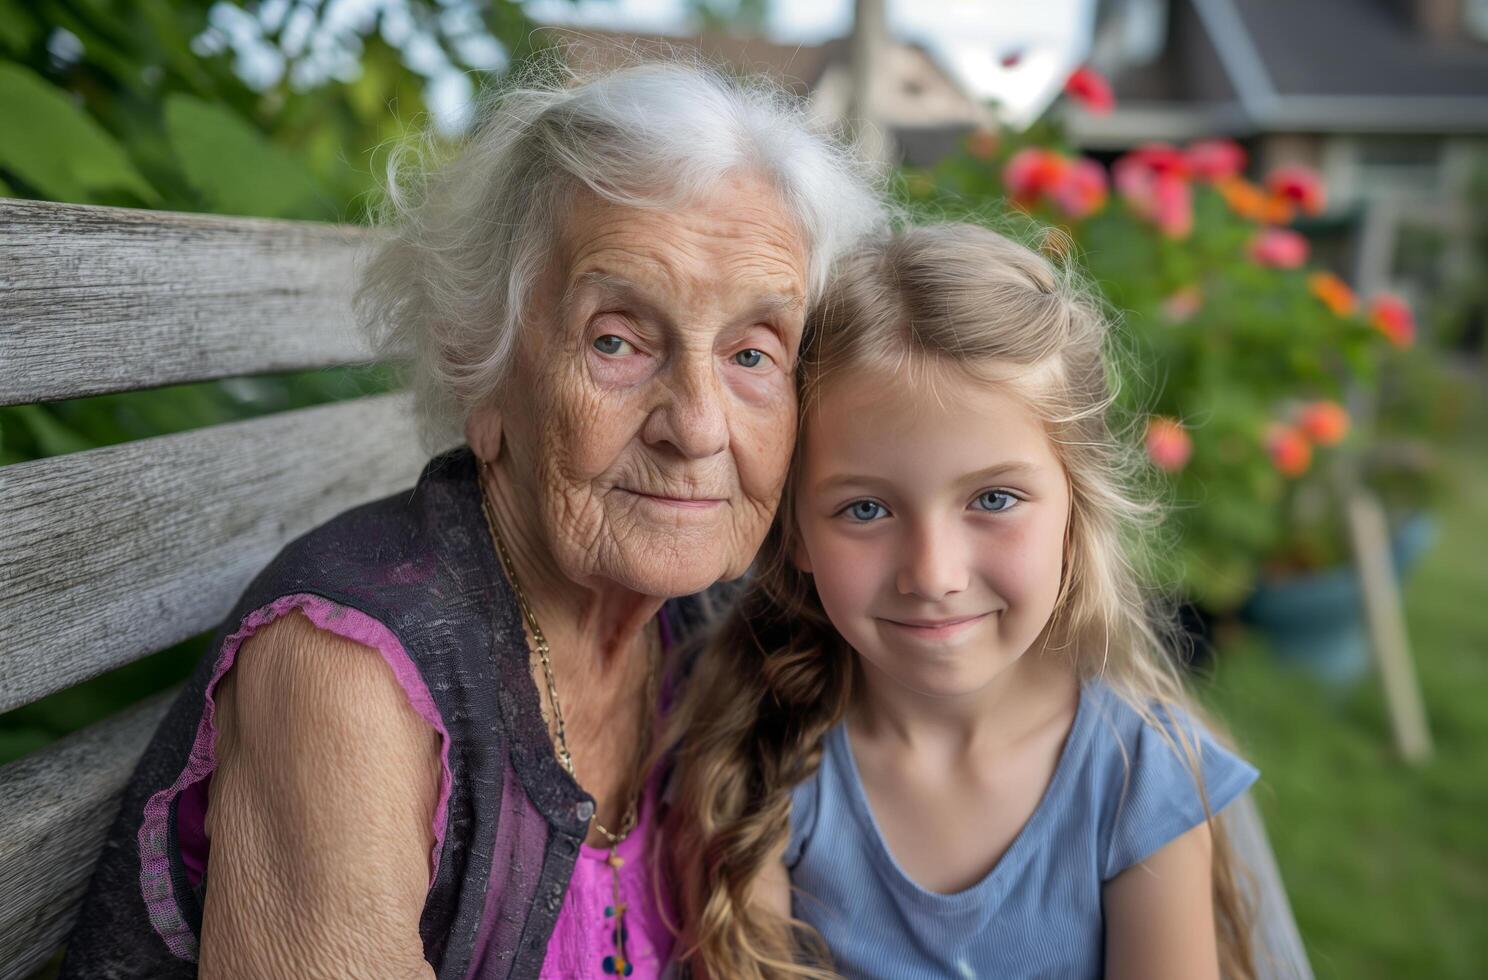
[[416, 747]]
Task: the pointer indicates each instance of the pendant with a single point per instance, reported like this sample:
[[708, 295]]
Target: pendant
[[618, 963]]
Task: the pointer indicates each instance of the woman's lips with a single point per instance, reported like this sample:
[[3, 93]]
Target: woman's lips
[[680, 503], [936, 629]]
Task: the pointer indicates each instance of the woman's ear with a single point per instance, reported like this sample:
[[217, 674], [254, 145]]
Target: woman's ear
[[483, 432]]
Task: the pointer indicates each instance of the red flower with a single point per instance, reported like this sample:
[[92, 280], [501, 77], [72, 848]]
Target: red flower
[[1279, 248], [1162, 158], [1288, 449], [1091, 90], [1032, 172], [1081, 189], [1168, 444], [1324, 422], [1299, 185], [1213, 160], [1392, 317], [1011, 58]]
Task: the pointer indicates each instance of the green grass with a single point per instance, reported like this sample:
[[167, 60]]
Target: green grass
[[1386, 864]]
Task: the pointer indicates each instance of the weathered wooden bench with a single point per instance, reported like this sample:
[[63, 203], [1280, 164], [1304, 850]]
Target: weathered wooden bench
[[112, 554]]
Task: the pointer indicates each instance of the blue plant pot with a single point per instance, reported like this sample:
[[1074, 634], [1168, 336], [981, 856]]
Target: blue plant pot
[[1316, 621]]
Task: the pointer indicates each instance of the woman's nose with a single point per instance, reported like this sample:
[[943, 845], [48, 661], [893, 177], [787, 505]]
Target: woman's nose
[[690, 416], [933, 565]]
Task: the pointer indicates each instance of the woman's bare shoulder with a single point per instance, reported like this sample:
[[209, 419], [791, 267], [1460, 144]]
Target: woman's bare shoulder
[[320, 811]]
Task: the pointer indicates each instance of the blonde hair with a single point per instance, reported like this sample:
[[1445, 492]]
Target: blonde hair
[[775, 676]]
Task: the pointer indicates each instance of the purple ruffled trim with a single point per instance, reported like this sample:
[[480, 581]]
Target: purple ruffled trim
[[155, 875]]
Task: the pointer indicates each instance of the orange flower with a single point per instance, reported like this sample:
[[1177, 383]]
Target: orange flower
[[1168, 444], [1090, 89], [1277, 210], [1278, 248], [1298, 184], [1392, 317], [1288, 449], [982, 144], [1032, 172], [1324, 422], [1244, 198], [1334, 293]]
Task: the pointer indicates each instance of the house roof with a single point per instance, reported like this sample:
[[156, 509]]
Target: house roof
[[1248, 66]]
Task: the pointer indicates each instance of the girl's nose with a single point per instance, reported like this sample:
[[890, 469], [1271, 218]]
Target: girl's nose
[[934, 565]]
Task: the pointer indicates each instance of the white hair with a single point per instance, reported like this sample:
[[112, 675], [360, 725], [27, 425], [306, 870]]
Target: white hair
[[445, 289]]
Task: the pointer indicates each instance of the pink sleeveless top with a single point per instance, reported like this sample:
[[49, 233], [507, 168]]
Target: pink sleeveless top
[[583, 943]]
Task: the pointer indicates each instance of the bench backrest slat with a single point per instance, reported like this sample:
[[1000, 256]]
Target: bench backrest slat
[[115, 553], [57, 806], [97, 300]]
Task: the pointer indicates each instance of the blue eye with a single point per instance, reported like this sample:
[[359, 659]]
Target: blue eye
[[994, 501], [864, 511], [749, 358], [609, 344]]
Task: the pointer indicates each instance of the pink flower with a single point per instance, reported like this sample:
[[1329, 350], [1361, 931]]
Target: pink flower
[[1390, 315], [1213, 160], [1168, 444], [1154, 182], [1183, 304], [1090, 89], [1081, 189], [1298, 184], [1279, 248], [1032, 172], [1288, 449], [1324, 422]]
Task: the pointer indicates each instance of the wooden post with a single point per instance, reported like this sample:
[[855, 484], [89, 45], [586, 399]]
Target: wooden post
[[1371, 540], [869, 43]]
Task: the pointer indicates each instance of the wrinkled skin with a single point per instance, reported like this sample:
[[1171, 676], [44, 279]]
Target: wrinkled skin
[[639, 454]]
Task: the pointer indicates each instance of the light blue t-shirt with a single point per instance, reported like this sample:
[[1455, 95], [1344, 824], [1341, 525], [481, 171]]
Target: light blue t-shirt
[[1038, 912]]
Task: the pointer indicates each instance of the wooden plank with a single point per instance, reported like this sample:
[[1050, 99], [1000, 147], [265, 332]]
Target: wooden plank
[[58, 806], [94, 300], [1385, 614], [1279, 952], [113, 553]]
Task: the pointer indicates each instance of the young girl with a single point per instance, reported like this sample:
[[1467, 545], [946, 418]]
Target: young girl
[[940, 729]]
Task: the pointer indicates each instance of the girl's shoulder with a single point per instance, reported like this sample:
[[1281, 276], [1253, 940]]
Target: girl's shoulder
[[1153, 772]]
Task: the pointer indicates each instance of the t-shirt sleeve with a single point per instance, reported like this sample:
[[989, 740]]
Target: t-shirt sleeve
[[802, 819], [1160, 800]]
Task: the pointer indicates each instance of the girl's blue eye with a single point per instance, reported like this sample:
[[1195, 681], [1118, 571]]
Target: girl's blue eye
[[864, 510], [995, 500], [609, 344], [749, 358]]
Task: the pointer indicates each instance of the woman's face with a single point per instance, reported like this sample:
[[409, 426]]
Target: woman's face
[[655, 409]]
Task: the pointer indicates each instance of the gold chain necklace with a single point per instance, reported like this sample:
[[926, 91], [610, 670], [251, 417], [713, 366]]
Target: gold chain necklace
[[619, 963]]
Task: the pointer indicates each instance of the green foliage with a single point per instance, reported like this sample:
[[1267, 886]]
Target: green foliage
[[234, 168], [57, 149]]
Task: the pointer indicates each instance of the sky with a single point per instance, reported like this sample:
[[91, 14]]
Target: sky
[[970, 37]]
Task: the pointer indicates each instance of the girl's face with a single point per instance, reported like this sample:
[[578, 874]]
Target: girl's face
[[932, 517]]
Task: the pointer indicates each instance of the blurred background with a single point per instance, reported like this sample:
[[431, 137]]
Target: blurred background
[[1286, 205]]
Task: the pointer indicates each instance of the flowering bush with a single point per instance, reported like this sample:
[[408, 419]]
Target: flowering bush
[[1240, 355]]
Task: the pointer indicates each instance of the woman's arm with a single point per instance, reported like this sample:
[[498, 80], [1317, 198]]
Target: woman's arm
[[319, 814], [1160, 914]]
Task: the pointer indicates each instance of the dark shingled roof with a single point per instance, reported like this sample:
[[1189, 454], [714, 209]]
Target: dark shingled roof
[[1359, 48]]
